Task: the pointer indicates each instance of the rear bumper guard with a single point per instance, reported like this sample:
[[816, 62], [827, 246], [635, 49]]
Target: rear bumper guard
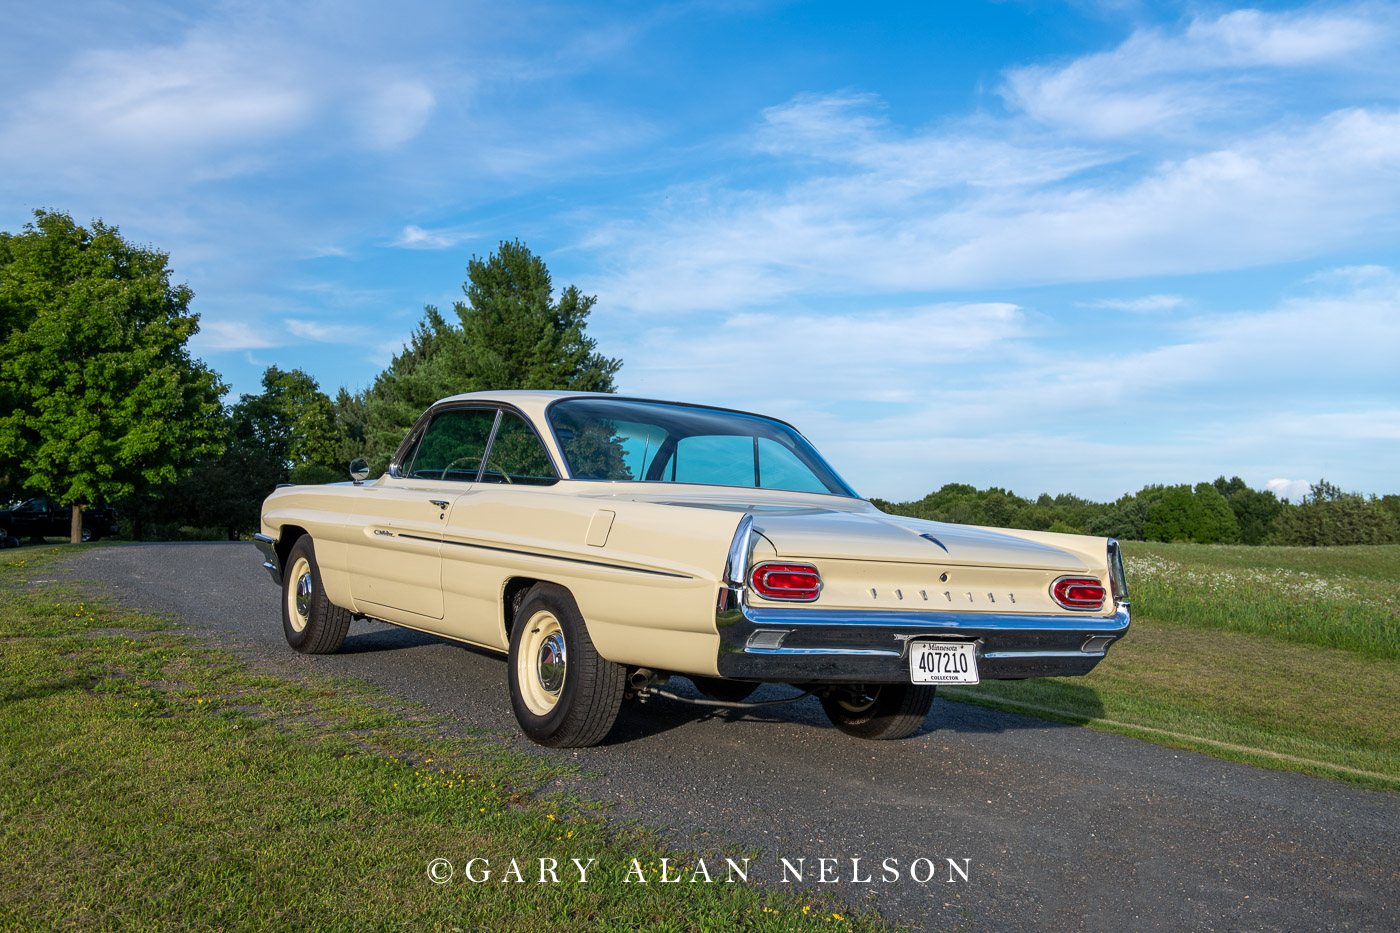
[[271, 561]]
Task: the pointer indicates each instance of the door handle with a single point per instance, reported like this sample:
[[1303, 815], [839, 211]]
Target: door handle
[[440, 503]]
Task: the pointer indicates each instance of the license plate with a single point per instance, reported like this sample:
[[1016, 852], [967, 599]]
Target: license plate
[[943, 662]]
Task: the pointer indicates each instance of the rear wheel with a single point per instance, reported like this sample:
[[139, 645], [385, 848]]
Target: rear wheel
[[311, 623], [879, 711], [565, 695]]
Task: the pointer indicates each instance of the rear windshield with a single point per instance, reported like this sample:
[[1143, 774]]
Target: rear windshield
[[621, 441]]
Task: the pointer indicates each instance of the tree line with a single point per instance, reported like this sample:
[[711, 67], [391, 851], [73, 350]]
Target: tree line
[[1222, 512], [106, 406]]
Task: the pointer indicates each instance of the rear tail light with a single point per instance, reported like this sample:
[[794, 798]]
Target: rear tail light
[[1078, 593], [797, 582]]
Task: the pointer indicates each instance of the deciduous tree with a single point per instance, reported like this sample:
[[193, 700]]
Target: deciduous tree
[[99, 397]]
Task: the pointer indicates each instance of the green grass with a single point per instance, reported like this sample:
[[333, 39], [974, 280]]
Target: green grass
[[1279, 657], [1346, 597], [153, 783]]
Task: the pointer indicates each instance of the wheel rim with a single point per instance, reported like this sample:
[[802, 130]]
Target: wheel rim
[[299, 594], [858, 701], [541, 665]]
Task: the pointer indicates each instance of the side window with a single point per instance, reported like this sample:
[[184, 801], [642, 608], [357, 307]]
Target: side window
[[517, 456], [453, 445]]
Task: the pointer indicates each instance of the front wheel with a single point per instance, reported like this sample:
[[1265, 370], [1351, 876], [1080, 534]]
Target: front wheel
[[879, 711], [311, 623], [565, 695]]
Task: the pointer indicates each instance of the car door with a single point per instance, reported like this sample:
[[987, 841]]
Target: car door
[[476, 552], [58, 519], [394, 559], [31, 519]]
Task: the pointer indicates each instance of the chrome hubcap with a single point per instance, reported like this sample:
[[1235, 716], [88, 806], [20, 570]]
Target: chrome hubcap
[[304, 595], [552, 663]]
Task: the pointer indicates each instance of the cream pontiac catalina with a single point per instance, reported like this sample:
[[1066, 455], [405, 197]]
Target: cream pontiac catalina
[[605, 544]]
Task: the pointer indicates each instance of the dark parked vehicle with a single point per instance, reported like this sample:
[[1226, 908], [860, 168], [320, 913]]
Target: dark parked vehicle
[[44, 518]]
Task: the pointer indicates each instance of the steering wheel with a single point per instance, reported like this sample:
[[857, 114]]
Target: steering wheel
[[447, 469]]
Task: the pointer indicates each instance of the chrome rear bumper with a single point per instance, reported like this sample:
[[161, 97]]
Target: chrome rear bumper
[[837, 646], [271, 561]]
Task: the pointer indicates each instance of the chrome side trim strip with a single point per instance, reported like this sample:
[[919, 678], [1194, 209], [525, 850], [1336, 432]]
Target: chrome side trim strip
[[570, 560], [832, 652], [1022, 655]]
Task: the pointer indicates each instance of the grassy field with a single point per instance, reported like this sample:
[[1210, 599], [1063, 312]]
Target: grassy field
[[153, 783], [1343, 597], [1282, 657]]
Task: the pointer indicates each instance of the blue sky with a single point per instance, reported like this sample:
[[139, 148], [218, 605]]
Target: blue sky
[[1069, 247]]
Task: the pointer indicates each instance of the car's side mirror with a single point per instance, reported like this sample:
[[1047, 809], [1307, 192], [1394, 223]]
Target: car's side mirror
[[359, 469]]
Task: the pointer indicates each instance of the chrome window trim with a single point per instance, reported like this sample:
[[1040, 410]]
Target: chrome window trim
[[549, 423], [396, 467], [486, 452], [500, 416]]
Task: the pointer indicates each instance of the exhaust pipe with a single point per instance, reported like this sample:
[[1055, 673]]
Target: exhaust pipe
[[644, 680], [644, 677]]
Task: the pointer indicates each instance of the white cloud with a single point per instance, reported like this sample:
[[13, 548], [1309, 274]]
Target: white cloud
[[1155, 82], [391, 114], [1292, 489], [162, 102], [326, 333], [415, 237], [850, 129], [1147, 304], [223, 335], [888, 356], [876, 220]]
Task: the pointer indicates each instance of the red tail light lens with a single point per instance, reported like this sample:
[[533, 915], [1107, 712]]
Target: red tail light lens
[[799, 582], [1078, 592]]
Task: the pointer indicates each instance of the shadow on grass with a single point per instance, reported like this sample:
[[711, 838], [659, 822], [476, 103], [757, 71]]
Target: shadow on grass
[[964, 713], [50, 688]]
